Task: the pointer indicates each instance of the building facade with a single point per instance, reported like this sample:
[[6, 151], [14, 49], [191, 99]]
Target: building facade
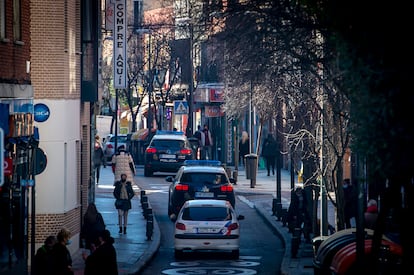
[[48, 90]]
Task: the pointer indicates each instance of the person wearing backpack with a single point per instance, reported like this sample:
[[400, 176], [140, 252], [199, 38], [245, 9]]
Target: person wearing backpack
[[43, 263]]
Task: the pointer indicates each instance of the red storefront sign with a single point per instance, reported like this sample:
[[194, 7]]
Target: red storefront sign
[[8, 166], [213, 111]]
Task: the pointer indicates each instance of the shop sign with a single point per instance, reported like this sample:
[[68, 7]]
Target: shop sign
[[41, 112], [216, 95], [8, 166], [213, 111]]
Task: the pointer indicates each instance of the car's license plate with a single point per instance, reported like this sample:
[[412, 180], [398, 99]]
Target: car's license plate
[[167, 156], [204, 230], [168, 160], [204, 195]]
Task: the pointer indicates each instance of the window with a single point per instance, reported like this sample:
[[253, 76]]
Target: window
[[206, 214], [17, 33], [2, 19]]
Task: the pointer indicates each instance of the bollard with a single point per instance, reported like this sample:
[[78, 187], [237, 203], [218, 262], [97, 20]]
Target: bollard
[[144, 208], [144, 199], [235, 175], [149, 228], [284, 216], [274, 208], [295, 242], [142, 195], [148, 212], [279, 211]]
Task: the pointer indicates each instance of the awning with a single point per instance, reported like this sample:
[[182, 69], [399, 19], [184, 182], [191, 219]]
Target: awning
[[141, 134]]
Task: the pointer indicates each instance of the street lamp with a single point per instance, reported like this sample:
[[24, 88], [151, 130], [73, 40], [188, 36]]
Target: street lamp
[[251, 118]]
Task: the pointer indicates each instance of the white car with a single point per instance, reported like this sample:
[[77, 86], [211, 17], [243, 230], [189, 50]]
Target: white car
[[207, 225]]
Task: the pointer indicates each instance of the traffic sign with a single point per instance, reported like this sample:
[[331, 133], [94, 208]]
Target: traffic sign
[[180, 107]]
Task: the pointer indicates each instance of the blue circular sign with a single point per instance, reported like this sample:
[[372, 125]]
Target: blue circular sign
[[41, 112]]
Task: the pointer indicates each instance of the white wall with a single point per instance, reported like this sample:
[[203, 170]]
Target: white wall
[[56, 187]]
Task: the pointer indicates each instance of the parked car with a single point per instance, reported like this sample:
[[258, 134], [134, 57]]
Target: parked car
[[167, 152], [109, 145], [199, 179], [207, 225]]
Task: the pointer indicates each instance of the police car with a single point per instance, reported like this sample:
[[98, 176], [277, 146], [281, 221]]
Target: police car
[[199, 179], [207, 225]]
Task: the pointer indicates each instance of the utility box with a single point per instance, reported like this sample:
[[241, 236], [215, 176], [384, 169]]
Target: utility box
[[251, 168]]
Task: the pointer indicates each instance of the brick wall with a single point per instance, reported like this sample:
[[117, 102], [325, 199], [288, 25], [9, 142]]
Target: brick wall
[[56, 74], [55, 32], [50, 224], [14, 54]]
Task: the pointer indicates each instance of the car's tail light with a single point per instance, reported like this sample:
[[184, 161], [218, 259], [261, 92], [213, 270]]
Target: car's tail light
[[151, 150], [110, 146], [226, 188], [186, 151], [180, 226], [181, 187], [233, 226]]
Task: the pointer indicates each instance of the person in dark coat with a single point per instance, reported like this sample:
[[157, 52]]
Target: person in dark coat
[[103, 260], [269, 152], [44, 257], [98, 158], [298, 216], [123, 194], [350, 199], [244, 147], [61, 255], [93, 225]]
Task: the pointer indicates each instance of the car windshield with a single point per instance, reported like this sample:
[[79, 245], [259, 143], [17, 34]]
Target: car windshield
[[160, 143], [209, 178], [206, 214]]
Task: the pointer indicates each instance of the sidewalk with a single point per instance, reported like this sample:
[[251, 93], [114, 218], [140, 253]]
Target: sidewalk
[[134, 250]]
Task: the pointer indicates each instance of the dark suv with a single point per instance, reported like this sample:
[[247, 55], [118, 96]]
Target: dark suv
[[199, 179], [167, 152]]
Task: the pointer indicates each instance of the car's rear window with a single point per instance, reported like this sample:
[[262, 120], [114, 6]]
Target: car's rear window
[[206, 214], [206, 178], [120, 139], [159, 143]]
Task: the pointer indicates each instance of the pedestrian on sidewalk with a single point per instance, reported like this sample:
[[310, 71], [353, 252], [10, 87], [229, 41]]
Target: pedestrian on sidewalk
[[62, 259], [269, 152], [122, 163], [103, 260], [98, 158], [206, 143], [350, 199], [44, 257], [93, 226], [123, 194], [298, 216], [244, 147], [197, 135]]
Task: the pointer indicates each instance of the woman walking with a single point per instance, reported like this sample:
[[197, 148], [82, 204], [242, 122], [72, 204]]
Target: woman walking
[[123, 194], [244, 147], [122, 163]]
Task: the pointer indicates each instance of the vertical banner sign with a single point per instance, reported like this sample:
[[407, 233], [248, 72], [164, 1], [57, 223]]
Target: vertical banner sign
[[120, 25]]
